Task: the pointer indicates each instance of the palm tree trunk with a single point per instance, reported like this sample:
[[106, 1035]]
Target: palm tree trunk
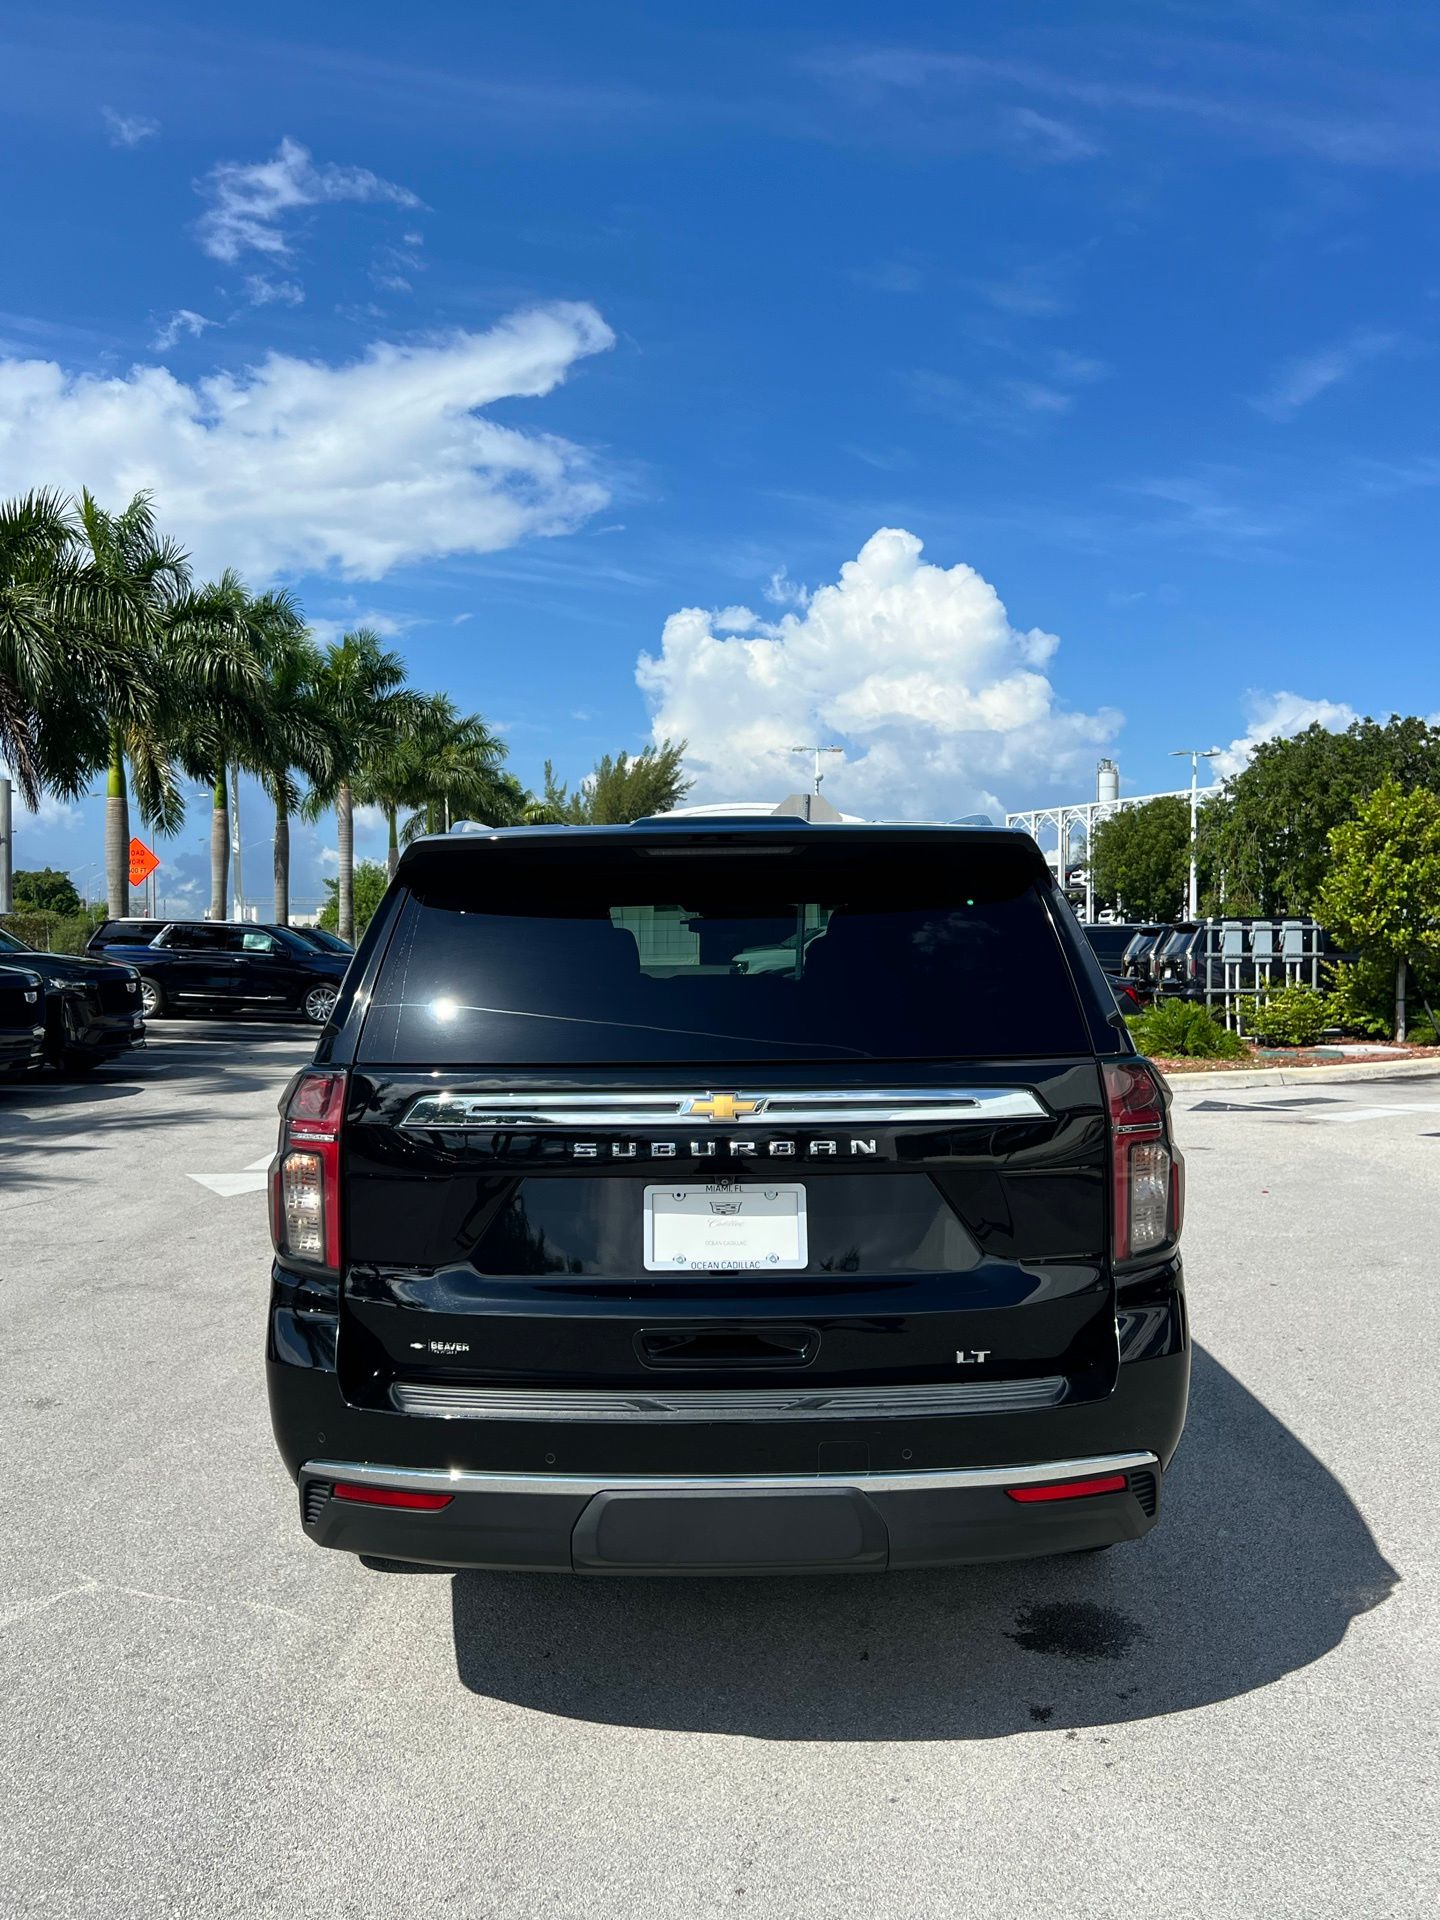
[[345, 834], [219, 848], [282, 865], [392, 851], [117, 831]]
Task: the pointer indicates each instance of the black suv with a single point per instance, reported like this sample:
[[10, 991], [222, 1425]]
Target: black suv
[[92, 1008], [230, 966], [597, 1252]]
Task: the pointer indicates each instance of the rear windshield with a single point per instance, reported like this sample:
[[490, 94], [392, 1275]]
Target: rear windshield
[[1109, 943], [680, 958]]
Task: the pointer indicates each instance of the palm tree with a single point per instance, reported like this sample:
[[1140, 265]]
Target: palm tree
[[187, 653], [362, 694], [67, 635], [447, 765], [239, 728], [301, 741]]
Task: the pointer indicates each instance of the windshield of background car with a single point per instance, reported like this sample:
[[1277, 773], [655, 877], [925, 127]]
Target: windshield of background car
[[678, 957], [324, 941], [9, 944]]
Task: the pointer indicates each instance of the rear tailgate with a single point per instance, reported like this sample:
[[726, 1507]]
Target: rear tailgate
[[880, 1028], [968, 1248]]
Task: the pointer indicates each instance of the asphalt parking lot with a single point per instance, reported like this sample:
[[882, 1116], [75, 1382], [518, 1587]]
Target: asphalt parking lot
[[207, 1716]]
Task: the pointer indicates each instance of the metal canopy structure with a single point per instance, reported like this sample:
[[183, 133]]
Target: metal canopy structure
[[1066, 833]]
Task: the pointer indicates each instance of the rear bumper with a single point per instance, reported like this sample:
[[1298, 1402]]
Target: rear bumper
[[750, 1524]]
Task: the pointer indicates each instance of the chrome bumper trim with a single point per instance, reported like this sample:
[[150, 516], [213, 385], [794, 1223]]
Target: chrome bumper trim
[[928, 1480], [678, 1406]]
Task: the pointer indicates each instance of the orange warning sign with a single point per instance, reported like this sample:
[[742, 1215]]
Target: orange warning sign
[[143, 862]]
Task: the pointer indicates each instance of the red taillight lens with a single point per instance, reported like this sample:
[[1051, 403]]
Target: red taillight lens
[[1144, 1204], [305, 1173], [391, 1497]]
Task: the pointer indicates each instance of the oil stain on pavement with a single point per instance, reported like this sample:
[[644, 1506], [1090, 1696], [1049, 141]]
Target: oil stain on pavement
[[1077, 1630]]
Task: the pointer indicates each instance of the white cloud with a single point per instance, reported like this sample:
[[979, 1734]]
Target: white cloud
[[329, 858], [296, 465], [248, 204], [1042, 137], [1275, 716], [262, 291], [1305, 379], [129, 129], [50, 812], [913, 668], [184, 320]]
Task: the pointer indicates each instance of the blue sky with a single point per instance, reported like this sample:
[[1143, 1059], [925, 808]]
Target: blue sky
[[561, 341]]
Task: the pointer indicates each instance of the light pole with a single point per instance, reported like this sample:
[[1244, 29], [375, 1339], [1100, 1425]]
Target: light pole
[[817, 751], [1195, 755]]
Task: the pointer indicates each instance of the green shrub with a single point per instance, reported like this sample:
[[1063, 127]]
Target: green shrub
[[1293, 1016], [50, 932], [1362, 998], [1184, 1030]]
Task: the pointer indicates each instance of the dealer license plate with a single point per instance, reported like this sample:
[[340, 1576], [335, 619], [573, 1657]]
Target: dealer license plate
[[725, 1229]]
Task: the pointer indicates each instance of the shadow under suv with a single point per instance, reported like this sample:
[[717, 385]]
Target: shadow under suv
[[597, 1252]]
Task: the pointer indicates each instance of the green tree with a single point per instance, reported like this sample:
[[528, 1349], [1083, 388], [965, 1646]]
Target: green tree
[[1381, 893], [368, 886], [300, 738], [1266, 837], [622, 788], [240, 727], [362, 694], [45, 890], [442, 762], [1140, 859], [184, 652]]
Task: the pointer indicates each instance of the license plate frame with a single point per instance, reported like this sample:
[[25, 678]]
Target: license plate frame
[[703, 1227]]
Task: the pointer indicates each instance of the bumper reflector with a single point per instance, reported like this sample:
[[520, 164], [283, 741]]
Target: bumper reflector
[[391, 1497], [1064, 1489]]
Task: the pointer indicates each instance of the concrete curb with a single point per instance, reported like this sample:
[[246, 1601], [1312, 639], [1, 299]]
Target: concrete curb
[[1307, 1076]]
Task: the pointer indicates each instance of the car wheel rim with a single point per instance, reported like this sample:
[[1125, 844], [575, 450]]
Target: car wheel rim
[[320, 1002], [149, 1001]]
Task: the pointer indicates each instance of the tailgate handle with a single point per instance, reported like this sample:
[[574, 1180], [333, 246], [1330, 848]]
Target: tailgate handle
[[753, 1346]]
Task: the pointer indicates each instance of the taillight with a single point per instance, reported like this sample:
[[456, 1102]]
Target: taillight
[[305, 1173], [1146, 1192]]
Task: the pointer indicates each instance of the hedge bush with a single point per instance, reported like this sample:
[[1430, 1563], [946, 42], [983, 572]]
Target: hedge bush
[[50, 932], [1184, 1030], [1293, 1016]]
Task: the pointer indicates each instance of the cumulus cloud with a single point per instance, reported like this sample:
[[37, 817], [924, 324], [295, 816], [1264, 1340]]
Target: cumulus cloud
[[297, 465], [913, 668], [128, 129], [183, 321], [1275, 716], [249, 203], [50, 812]]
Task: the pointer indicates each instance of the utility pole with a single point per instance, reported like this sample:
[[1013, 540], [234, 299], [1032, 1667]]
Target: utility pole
[[1195, 755], [817, 751], [6, 847]]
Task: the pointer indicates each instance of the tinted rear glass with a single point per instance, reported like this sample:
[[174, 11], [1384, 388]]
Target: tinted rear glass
[[1109, 944], [828, 954]]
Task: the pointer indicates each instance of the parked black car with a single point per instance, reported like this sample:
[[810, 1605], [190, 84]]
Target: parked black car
[[594, 1252], [231, 966], [124, 933], [1138, 961], [326, 941], [92, 1007], [22, 1019], [1110, 941]]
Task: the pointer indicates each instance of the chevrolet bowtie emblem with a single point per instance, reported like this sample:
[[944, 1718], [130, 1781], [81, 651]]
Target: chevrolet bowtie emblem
[[720, 1106]]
